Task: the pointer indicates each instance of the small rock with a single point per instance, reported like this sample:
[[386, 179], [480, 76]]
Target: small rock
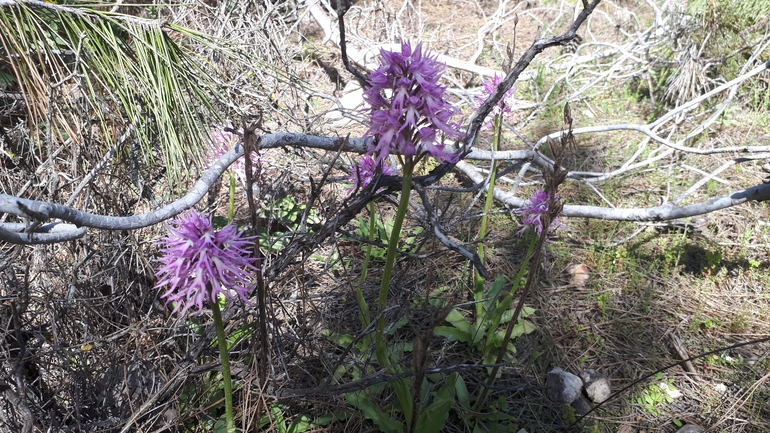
[[691, 428], [597, 385], [563, 387], [581, 406]]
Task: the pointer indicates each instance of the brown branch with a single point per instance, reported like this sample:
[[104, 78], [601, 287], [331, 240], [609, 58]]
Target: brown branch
[[342, 8], [524, 61]]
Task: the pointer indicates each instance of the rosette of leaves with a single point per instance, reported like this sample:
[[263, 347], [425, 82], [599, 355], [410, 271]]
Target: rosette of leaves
[[484, 333]]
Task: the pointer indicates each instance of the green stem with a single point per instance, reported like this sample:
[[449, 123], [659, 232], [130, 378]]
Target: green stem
[[534, 266], [478, 289], [399, 386], [231, 207], [503, 306], [225, 358], [362, 305], [390, 258]]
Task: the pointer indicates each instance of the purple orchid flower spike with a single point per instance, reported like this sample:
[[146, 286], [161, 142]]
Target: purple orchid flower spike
[[531, 213], [224, 140], [364, 172], [408, 106], [503, 107], [199, 263]]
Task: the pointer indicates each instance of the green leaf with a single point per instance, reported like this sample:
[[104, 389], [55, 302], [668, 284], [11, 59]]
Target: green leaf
[[490, 356], [527, 311], [458, 321], [493, 294], [453, 334], [276, 419], [395, 351], [507, 316], [433, 418], [461, 391], [301, 424], [324, 420], [390, 330], [6, 80], [404, 396], [522, 328], [221, 425], [343, 340], [478, 332], [276, 412], [495, 416], [219, 221], [385, 423], [341, 371]]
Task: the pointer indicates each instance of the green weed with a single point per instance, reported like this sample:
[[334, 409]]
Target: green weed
[[483, 334], [278, 420], [382, 234], [287, 216], [657, 395]]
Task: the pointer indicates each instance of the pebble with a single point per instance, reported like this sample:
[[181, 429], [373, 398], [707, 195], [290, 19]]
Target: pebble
[[597, 385], [581, 406], [563, 387]]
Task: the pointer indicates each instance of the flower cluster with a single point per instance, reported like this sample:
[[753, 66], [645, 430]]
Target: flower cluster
[[503, 107], [364, 172], [199, 262], [532, 212], [222, 141], [408, 106]]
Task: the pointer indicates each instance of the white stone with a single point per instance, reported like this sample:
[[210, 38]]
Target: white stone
[[597, 385]]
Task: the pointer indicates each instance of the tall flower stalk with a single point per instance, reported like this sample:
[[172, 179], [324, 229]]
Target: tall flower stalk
[[362, 176], [539, 215], [408, 110], [200, 265], [478, 290], [540, 219], [499, 111], [222, 140]]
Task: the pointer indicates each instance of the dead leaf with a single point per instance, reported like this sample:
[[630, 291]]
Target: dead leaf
[[578, 275]]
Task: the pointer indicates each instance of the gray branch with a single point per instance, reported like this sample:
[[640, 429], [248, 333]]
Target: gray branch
[[40, 212], [52, 233], [668, 211], [664, 212]]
